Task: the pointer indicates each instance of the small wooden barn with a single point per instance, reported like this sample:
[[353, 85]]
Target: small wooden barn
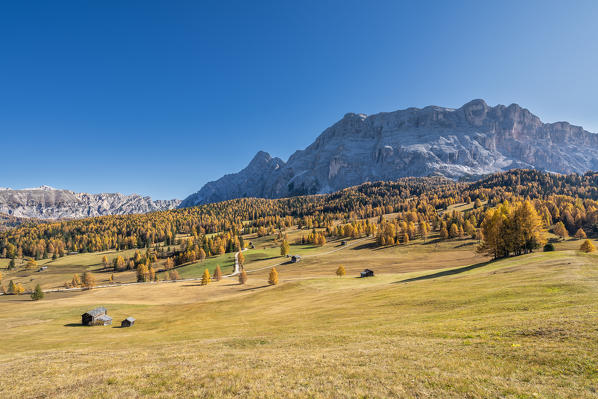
[[367, 273], [103, 320], [295, 258], [95, 317], [128, 322]]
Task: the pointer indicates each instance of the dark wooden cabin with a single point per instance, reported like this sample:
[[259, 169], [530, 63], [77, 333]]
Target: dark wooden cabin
[[367, 273], [128, 322], [91, 318], [295, 258]]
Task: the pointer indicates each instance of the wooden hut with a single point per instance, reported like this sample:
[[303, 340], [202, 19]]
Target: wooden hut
[[103, 320], [128, 322], [295, 258], [367, 273], [91, 318]]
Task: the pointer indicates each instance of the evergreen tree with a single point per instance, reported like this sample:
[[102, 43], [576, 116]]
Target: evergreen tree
[[340, 271], [37, 294], [12, 288], [11, 264], [273, 278]]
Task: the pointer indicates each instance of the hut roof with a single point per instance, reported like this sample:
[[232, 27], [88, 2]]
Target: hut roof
[[104, 317], [97, 311], [130, 319]]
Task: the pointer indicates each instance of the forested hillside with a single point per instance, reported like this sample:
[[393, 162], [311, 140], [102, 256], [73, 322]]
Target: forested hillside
[[419, 206]]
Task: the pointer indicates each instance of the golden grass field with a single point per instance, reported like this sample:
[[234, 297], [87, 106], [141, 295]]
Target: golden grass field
[[437, 321]]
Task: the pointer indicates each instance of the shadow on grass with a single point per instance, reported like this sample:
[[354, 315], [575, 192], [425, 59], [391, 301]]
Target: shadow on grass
[[445, 273], [256, 259], [433, 241], [367, 245], [465, 244], [75, 325], [256, 288]]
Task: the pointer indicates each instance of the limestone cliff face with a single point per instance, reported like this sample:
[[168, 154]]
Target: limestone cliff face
[[49, 203], [473, 140]]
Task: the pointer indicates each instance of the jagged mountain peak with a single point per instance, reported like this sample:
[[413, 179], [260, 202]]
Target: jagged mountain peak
[[46, 202], [474, 139]]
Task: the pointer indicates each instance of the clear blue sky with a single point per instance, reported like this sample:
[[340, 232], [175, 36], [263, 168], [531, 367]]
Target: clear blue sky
[[159, 97]]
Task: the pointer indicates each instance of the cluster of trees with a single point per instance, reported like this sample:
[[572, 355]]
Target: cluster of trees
[[13, 288], [86, 280], [511, 230], [314, 238], [420, 206]]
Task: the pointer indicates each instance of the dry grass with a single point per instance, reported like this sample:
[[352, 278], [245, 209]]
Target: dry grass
[[518, 328]]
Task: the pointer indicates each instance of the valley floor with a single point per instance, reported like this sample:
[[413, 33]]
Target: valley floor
[[437, 321]]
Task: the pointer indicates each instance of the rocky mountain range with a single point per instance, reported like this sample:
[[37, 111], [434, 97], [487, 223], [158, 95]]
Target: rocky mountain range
[[470, 141], [50, 203]]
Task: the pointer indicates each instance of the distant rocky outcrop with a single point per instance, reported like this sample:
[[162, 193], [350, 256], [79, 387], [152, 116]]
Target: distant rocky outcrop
[[50, 203], [473, 140]]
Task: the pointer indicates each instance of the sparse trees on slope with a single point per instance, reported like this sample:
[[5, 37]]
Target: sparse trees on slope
[[340, 271], [241, 259]]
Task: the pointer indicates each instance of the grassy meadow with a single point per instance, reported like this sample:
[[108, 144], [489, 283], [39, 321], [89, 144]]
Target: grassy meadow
[[438, 320]]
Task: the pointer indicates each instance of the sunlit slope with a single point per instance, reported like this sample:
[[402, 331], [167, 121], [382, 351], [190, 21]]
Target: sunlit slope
[[521, 327]]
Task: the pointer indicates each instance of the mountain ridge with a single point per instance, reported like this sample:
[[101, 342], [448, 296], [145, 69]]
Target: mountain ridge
[[46, 202], [473, 140]]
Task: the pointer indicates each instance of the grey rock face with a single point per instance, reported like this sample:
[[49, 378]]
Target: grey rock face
[[475, 139], [49, 203]]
